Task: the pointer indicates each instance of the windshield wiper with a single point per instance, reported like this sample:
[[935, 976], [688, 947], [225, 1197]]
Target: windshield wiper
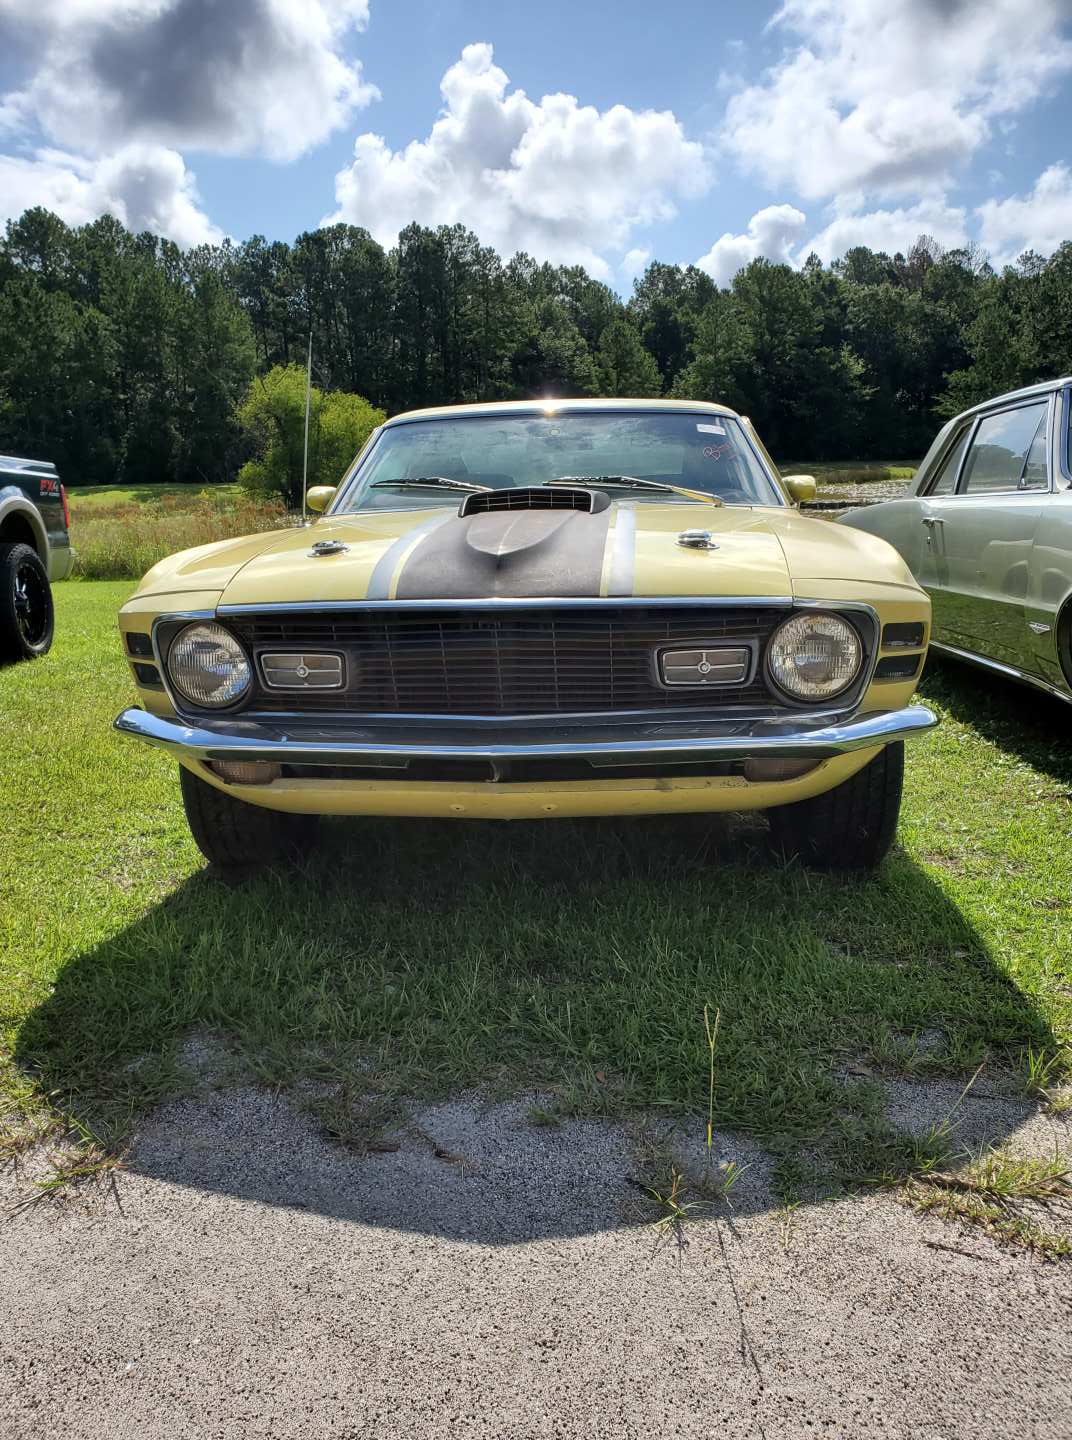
[[633, 482], [428, 482]]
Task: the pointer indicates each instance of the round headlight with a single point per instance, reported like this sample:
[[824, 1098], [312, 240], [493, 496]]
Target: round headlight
[[814, 656], [207, 665]]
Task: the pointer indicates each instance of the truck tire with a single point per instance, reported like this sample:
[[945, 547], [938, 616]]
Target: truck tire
[[850, 827], [27, 619], [238, 836]]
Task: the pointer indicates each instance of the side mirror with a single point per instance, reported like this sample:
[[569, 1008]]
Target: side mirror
[[801, 488], [319, 497]]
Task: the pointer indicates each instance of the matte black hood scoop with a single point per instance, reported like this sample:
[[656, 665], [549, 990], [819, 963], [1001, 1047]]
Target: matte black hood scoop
[[535, 497]]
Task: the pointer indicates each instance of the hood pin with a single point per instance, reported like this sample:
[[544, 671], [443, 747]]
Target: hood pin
[[697, 540], [328, 547]]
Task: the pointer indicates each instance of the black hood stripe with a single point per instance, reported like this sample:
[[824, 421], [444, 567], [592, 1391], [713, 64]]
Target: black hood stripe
[[622, 576], [379, 586], [504, 555]]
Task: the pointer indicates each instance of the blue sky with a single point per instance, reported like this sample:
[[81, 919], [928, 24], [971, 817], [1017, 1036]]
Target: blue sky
[[696, 132]]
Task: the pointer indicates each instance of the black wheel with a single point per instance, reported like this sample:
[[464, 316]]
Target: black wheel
[[237, 836], [850, 827], [27, 619]]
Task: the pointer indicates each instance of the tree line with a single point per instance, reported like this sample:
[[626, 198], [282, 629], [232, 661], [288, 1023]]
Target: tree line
[[124, 359]]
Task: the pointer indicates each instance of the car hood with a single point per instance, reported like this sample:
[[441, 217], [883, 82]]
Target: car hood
[[630, 548]]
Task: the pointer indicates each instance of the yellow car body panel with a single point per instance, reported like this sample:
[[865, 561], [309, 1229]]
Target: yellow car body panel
[[761, 552], [558, 800]]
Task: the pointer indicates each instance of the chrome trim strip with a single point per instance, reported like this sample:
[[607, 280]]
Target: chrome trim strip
[[379, 586], [793, 738], [539, 602], [998, 667], [621, 578]]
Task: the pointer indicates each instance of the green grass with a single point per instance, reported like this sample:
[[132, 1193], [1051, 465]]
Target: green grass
[[84, 499], [417, 958]]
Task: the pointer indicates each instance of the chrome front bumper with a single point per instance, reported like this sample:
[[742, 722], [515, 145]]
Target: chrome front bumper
[[394, 744]]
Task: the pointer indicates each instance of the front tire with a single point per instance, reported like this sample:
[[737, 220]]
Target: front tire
[[237, 836], [27, 619], [850, 827]]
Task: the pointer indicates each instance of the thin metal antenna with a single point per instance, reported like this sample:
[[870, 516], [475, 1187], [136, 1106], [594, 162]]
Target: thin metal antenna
[[305, 457]]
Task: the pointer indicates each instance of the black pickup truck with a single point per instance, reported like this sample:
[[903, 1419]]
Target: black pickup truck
[[35, 549]]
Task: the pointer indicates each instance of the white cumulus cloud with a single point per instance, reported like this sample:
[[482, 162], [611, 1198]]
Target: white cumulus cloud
[[232, 76], [1040, 220], [562, 180], [891, 230], [772, 234], [779, 232], [886, 98], [146, 187]]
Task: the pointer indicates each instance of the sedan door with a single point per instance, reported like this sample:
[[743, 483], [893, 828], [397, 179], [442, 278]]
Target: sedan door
[[980, 530]]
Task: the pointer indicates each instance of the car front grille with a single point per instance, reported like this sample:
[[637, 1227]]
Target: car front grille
[[525, 660]]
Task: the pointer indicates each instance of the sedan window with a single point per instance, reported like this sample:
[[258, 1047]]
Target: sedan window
[[1009, 452], [947, 471]]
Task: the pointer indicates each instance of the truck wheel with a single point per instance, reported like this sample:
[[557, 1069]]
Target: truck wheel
[[27, 619], [850, 827], [237, 836]]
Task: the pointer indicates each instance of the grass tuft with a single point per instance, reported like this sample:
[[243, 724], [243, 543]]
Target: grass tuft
[[361, 1124], [1004, 1195]]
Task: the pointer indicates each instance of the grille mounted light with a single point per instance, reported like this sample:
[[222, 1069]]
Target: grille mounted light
[[705, 665], [303, 671]]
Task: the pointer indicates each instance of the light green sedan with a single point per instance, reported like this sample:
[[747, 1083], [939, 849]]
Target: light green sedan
[[986, 529]]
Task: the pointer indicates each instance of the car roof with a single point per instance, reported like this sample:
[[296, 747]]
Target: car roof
[[558, 406], [1042, 387]]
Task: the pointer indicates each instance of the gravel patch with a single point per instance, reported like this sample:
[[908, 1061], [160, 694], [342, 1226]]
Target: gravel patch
[[483, 1280], [984, 1116]]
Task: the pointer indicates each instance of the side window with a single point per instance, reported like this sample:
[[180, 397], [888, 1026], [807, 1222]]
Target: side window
[[947, 470], [1009, 452], [1035, 476]]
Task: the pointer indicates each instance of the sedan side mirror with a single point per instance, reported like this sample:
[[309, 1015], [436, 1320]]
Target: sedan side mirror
[[319, 497], [801, 488]]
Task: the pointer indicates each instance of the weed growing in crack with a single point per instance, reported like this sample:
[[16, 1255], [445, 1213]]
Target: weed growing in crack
[[1006, 1196]]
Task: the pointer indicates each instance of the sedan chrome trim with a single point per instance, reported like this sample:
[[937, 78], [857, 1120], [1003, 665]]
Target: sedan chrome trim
[[794, 737], [999, 667]]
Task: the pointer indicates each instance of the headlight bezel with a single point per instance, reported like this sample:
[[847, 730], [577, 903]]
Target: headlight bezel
[[181, 698], [845, 695]]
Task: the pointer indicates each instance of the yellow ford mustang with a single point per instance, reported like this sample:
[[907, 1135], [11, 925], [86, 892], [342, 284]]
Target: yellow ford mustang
[[530, 610]]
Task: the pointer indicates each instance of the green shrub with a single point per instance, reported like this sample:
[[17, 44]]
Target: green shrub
[[273, 416]]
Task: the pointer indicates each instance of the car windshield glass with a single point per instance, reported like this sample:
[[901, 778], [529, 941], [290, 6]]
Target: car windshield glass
[[696, 451]]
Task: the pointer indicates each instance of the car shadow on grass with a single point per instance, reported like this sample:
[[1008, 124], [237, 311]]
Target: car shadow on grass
[[346, 1005], [1024, 722]]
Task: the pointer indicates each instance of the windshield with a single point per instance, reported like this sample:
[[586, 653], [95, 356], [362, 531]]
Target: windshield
[[697, 451]]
